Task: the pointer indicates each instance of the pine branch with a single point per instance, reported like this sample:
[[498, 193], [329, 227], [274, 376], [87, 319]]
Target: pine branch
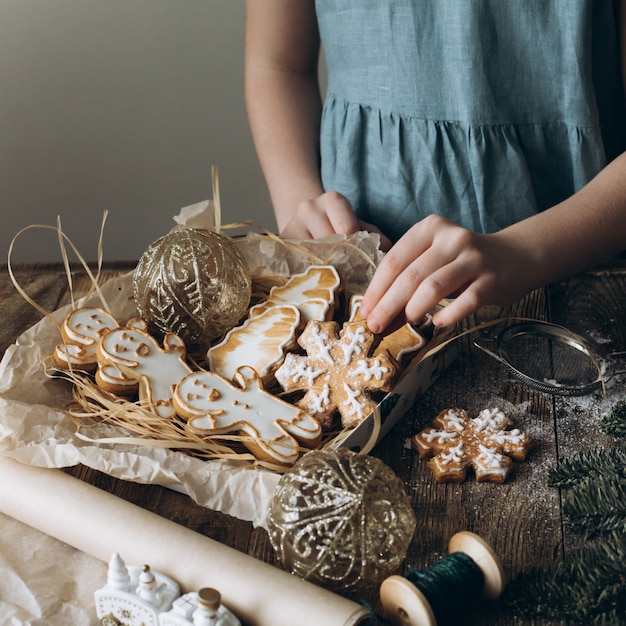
[[589, 586], [615, 423], [588, 463], [596, 505]]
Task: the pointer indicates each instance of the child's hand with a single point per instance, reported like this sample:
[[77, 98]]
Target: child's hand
[[437, 259], [328, 214]]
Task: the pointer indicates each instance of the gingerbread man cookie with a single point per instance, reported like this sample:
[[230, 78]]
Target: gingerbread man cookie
[[273, 428], [138, 356], [82, 330], [338, 372], [485, 443]]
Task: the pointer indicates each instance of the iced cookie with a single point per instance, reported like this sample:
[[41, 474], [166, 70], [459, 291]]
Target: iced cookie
[[485, 443], [138, 355], [399, 343], [260, 343], [315, 292], [82, 330], [337, 372], [273, 429]]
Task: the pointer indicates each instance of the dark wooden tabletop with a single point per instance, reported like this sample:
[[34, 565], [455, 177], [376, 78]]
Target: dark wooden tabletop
[[521, 519]]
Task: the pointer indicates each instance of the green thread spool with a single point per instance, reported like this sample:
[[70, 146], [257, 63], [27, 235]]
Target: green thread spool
[[422, 598]]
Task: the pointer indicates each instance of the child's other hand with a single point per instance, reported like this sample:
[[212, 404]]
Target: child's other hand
[[437, 259], [328, 214]]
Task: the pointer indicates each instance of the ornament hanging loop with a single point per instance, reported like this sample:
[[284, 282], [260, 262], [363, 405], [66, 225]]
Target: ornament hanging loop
[[420, 599]]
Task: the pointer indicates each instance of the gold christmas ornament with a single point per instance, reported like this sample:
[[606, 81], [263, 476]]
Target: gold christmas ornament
[[192, 282], [341, 520]]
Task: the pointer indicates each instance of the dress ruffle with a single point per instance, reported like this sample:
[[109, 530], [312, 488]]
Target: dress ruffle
[[397, 169]]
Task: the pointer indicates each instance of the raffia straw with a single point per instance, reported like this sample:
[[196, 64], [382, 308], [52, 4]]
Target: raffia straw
[[217, 213], [93, 408], [293, 245], [63, 240], [66, 262]]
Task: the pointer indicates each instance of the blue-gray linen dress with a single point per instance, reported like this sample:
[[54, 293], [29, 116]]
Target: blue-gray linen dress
[[484, 111]]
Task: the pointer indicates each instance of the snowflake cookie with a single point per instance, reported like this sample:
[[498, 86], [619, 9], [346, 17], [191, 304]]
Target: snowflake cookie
[[485, 443], [337, 372]]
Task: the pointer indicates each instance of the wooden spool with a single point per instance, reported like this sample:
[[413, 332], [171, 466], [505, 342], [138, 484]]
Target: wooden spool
[[406, 605]]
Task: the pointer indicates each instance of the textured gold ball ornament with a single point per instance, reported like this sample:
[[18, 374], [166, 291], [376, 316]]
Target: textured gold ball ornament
[[192, 282], [341, 520]]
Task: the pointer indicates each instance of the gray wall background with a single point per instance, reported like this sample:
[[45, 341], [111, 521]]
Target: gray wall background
[[121, 105]]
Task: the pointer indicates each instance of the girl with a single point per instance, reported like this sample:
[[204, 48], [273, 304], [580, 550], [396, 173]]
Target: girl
[[484, 139]]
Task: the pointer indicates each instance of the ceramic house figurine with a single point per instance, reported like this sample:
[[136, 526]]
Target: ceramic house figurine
[[199, 609], [134, 596]]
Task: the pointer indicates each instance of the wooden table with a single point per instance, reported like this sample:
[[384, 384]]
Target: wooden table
[[521, 518]]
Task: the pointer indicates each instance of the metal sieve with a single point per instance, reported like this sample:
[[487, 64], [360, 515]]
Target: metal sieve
[[551, 358]]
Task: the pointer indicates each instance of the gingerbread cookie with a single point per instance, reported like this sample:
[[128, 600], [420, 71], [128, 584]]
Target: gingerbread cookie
[[260, 343], [82, 330], [273, 428], [337, 373], [456, 442], [134, 352], [315, 292], [399, 343]]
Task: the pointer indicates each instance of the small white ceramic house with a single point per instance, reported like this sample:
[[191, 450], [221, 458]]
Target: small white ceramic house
[[199, 609], [134, 596]]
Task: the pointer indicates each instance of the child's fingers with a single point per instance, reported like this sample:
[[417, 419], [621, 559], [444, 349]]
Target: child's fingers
[[404, 254]]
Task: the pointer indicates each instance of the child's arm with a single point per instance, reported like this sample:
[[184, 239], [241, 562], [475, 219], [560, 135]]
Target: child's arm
[[437, 259], [283, 99], [284, 108]]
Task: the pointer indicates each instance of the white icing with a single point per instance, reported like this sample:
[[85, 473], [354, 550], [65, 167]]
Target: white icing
[[489, 457], [454, 454], [353, 405], [320, 345], [305, 371], [491, 419], [353, 343], [455, 420], [482, 441], [438, 436], [504, 437], [73, 354], [319, 402], [374, 369], [398, 343]]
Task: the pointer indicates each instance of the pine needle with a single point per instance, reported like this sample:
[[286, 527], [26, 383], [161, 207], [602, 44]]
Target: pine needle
[[598, 463]]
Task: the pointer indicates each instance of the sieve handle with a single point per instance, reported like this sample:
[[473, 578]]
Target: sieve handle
[[485, 345]]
